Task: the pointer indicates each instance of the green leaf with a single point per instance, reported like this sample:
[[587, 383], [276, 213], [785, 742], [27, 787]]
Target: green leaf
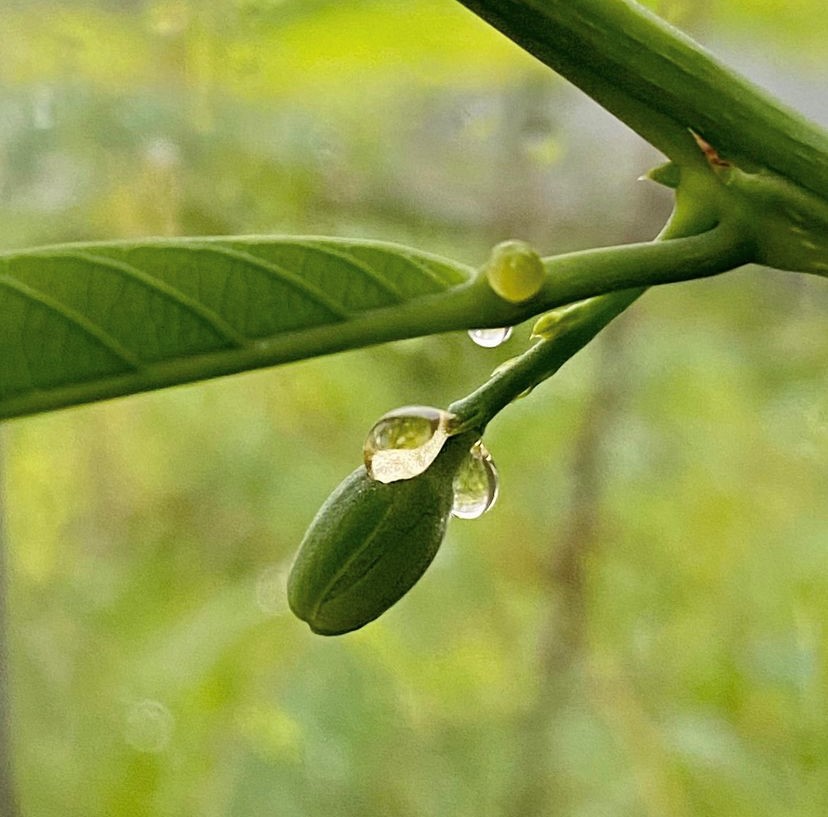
[[87, 321], [83, 322]]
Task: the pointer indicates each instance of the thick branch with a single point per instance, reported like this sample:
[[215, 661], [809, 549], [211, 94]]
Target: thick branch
[[663, 84]]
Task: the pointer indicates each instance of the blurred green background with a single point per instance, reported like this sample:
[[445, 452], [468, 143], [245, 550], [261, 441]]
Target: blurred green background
[[637, 628]]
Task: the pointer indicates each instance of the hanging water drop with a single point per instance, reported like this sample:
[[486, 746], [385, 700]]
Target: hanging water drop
[[475, 484], [404, 442], [489, 338]]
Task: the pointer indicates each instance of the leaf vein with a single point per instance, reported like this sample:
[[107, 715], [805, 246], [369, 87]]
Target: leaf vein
[[364, 269], [208, 316], [282, 274], [428, 272], [74, 318]]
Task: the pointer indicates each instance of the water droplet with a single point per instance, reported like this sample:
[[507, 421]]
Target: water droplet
[[404, 442], [271, 592], [163, 154], [43, 108], [149, 726], [489, 338], [170, 19], [515, 271], [475, 484]]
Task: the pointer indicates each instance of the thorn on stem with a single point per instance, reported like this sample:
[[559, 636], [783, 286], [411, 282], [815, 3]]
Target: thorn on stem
[[710, 153]]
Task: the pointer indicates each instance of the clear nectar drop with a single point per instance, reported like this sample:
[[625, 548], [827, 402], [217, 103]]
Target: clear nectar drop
[[490, 338], [476, 484], [404, 442]]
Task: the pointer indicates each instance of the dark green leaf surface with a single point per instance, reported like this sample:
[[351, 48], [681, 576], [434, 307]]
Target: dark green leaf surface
[[87, 321]]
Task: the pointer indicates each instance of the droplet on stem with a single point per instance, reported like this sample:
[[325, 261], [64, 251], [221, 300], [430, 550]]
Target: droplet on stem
[[490, 338], [475, 484], [515, 271], [404, 442]]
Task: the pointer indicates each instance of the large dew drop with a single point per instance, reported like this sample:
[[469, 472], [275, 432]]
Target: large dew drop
[[489, 338], [475, 484], [404, 442]]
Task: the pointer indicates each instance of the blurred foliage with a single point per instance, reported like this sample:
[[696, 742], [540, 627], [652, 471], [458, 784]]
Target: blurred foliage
[[636, 628]]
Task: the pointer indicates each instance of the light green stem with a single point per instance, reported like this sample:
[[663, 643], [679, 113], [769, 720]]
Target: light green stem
[[582, 323], [578, 324]]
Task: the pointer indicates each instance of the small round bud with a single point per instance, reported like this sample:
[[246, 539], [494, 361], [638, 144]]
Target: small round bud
[[515, 271], [559, 320]]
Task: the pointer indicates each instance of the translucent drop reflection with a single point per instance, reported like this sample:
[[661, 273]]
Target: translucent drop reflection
[[271, 591], [149, 726], [404, 442], [475, 484], [489, 338], [43, 108]]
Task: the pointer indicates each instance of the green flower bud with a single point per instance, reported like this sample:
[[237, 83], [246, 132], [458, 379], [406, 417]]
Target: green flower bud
[[515, 271], [556, 322], [370, 542]]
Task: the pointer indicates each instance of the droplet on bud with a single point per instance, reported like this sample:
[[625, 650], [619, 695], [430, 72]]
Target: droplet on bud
[[489, 338], [475, 484], [404, 442]]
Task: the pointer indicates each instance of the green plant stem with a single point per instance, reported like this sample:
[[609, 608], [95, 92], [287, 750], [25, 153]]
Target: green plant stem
[[663, 84], [571, 277], [580, 275], [621, 271], [581, 324], [703, 247]]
